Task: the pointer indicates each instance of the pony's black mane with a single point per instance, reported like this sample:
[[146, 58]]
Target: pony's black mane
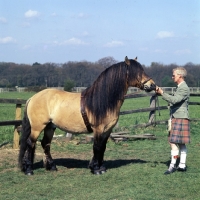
[[109, 88]]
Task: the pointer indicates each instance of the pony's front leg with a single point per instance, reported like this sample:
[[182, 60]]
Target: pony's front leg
[[99, 147], [48, 162]]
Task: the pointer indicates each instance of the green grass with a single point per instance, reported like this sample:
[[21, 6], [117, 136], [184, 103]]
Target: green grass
[[135, 167]]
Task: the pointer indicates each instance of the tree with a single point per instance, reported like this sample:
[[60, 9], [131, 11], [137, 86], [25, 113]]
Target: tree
[[106, 62], [69, 84], [168, 82], [36, 63], [4, 83]]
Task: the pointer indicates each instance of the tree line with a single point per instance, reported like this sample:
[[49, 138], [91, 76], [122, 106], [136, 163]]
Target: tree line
[[83, 73], [162, 74]]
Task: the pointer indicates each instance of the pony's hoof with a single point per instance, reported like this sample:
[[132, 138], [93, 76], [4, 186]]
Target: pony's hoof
[[102, 169], [29, 173], [99, 172], [53, 169], [50, 167], [28, 170], [102, 172]]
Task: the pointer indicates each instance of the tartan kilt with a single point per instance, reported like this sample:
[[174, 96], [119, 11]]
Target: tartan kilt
[[180, 131]]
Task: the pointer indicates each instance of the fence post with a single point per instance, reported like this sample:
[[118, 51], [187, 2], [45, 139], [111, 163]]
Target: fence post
[[16, 134], [152, 105]]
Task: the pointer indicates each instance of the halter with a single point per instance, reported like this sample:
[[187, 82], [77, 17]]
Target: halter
[[141, 84]]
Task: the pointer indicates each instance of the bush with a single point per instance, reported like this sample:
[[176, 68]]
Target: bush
[[68, 86]]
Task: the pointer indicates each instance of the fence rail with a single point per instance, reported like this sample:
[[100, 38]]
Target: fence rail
[[11, 122], [151, 109], [13, 101]]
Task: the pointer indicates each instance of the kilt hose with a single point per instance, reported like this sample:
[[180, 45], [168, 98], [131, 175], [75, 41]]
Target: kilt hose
[[180, 131]]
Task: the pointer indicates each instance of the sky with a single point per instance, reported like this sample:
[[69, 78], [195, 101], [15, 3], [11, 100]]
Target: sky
[[58, 31]]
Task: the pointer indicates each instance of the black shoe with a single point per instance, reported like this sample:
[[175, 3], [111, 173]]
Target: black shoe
[[170, 170], [182, 169]]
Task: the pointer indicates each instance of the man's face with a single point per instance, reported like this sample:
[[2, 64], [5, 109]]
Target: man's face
[[176, 77]]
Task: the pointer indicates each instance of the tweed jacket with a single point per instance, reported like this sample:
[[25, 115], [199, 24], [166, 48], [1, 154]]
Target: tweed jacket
[[179, 101]]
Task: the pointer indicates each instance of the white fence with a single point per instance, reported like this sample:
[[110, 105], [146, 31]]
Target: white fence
[[134, 89]]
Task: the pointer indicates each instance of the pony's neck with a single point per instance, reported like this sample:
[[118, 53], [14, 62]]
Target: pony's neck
[[121, 101]]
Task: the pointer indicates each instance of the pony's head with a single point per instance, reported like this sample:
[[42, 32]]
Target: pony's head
[[136, 76]]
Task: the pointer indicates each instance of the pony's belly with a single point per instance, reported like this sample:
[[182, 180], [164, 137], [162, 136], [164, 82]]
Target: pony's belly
[[70, 122], [72, 128]]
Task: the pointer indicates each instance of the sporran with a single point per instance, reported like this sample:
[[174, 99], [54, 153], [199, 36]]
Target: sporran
[[169, 125]]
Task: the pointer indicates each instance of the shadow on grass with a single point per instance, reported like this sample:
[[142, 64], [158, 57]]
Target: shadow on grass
[[77, 163], [167, 163]]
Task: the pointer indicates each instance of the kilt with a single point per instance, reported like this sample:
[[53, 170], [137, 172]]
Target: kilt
[[180, 131]]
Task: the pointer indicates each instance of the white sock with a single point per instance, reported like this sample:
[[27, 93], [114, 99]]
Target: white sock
[[183, 155], [174, 156]]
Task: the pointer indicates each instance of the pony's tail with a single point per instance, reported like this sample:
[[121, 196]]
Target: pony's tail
[[26, 131]]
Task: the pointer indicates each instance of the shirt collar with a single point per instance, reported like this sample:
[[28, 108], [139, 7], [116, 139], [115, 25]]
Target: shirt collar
[[180, 83]]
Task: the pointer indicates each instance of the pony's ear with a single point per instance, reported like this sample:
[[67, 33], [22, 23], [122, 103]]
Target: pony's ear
[[135, 58], [127, 61]]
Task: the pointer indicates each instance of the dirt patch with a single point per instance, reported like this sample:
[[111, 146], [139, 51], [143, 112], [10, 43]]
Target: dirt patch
[[9, 157], [8, 153]]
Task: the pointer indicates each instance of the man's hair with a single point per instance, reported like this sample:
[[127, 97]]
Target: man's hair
[[180, 71]]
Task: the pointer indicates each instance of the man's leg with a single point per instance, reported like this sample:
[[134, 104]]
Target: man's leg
[[174, 156], [183, 155]]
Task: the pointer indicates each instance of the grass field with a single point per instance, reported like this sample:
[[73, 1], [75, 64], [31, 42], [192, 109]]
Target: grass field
[[135, 167]]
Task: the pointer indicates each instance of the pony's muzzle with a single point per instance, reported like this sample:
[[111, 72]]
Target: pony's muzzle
[[150, 88], [153, 86]]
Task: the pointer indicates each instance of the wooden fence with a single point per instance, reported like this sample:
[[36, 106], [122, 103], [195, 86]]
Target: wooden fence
[[17, 122], [19, 102]]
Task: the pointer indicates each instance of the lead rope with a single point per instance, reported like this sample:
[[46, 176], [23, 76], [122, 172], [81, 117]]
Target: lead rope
[[157, 101]]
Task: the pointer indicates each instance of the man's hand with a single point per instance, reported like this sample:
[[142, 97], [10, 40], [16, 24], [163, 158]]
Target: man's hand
[[159, 90]]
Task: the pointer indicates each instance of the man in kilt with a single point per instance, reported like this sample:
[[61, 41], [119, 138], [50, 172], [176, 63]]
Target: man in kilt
[[179, 127]]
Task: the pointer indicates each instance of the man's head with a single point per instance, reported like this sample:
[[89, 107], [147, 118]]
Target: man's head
[[179, 74]]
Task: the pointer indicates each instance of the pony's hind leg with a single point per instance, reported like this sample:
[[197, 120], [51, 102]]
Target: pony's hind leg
[[99, 147], [27, 147], [46, 142], [27, 162]]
